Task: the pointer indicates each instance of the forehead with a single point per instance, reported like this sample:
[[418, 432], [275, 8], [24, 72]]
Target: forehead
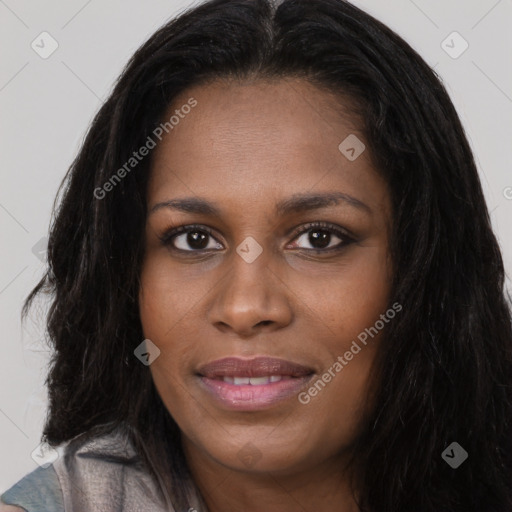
[[263, 139]]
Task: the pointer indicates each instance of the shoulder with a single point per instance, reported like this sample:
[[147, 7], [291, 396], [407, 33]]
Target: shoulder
[[92, 473], [39, 490]]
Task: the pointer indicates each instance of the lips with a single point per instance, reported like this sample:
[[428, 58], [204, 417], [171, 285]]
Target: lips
[[252, 384], [253, 369]]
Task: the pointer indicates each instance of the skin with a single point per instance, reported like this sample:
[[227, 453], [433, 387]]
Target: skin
[[245, 147]]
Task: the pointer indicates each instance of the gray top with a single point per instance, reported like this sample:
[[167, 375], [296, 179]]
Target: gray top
[[103, 474]]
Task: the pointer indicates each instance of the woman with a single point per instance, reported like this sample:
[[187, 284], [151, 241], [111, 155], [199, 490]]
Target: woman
[[275, 284]]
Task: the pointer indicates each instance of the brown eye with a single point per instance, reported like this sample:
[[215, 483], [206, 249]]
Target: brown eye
[[322, 237], [190, 239]]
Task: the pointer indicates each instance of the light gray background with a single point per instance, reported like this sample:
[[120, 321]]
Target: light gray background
[[46, 106]]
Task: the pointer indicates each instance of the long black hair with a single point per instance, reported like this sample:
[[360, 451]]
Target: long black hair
[[444, 372]]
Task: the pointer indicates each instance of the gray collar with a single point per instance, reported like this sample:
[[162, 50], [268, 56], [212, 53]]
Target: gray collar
[[104, 474]]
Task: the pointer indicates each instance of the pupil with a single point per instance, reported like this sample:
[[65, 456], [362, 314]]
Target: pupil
[[319, 238], [197, 240]]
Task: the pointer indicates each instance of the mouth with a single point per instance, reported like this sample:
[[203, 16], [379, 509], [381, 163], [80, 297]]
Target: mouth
[[252, 384]]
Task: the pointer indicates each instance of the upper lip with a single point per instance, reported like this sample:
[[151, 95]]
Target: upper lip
[[256, 367]]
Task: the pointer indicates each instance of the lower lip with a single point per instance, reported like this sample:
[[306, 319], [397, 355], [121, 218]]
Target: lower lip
[[253, 398]]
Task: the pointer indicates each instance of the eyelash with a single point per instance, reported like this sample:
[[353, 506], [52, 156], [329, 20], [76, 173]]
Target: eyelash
[[168, 237]]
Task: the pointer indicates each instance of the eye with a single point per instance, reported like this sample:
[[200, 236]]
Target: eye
[[190, 239], [322, 237]]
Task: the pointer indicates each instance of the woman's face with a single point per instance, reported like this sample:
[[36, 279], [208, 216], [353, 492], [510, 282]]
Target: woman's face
[[257, 302]]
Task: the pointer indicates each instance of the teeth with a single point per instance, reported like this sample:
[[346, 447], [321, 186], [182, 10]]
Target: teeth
[[253, 381], [258, 381]]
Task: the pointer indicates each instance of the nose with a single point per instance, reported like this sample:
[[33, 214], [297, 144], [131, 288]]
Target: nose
[[251, 298]]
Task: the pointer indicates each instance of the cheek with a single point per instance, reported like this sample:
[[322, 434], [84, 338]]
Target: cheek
[[160, 316], [349, 309], [163, 311], [167, 309], [351, 297], [164, 297]]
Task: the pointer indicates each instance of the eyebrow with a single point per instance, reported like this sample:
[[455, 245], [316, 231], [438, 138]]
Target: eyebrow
[[295, 204]]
